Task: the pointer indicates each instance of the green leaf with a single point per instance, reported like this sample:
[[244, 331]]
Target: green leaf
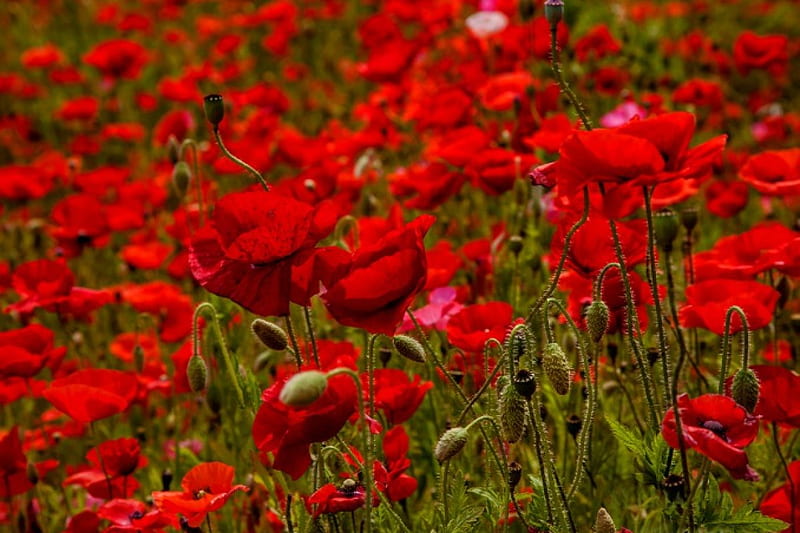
[[632, 442], [746, 520]]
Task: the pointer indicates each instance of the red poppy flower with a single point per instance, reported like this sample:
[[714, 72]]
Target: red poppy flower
[[287, 432], [717, 427], [44, 56], [707, 302], [765, 52], [495, 170], [132, 516], [373, 290], [84, 108], [726, 199], [98, 485], [777, 401], [206, 488], [598, 42], [80, 221], [330, 499], [774, 172], [778, 503], [117, 58], [118, 457], [396, 395], [27, 350], [24, 182], [13, 465], [165, 302], [470, 328], [253, 250], [92, 394], [390, 477], [641, 152]]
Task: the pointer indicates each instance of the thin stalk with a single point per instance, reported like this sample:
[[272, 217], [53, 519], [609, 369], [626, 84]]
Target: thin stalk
[[785, 470], [555, 64], [312, 338], [293, 339], [239, 162], [227, 360]]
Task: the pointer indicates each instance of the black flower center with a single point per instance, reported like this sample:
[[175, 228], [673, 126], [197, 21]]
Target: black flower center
[[717, 428]]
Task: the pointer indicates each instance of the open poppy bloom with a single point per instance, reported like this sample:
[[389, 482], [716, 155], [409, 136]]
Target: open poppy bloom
[[778, 503], [206, 488], [92, 394], [773, 172], [13, 465], [330, 499], [708, 302], [254, 248], [132, 516], [717, 427]]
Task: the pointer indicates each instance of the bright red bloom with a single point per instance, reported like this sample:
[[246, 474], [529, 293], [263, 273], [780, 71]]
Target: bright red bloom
[[80, 221], [641, 152], [13, 465], [774, 172], [778, 502], [119, 457], [767, 52], [396, 395], [777, 401], [390, 478], [117, 58], [717, 427], [24, 182], [166, 302], [254, 248], [707, 302], [495, 170], [92, 394], [287, 432], [330, 499], [132, 516], [373, 290], [726, 199], [27, 350], [206, 488], [470, 328], [44, 56]]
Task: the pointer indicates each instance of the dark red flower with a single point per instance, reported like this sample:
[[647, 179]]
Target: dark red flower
[[80, 221], [707, 302], [132, 516], [767, 52], [117, 58], [597, 43], [774, 172], [330, 499], [470, 328], [778, 503], [726, 199], [378, 283], [24, 182], [13, 465], [390, 476], [396, 395], [717, 427], [206, 488], [27, 350], [495, 170], [118, 457], [254, 248], [92, 394]]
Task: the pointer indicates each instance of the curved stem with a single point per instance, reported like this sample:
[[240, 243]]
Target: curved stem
[[227, 360], [726, 344], [239, 162]]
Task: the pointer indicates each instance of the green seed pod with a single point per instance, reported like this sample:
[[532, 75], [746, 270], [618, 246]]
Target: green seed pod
[[214, 107], [745, 388], [525, 383], [450, 444], [665, 226], [597, 317], [181, 177], [604, 523], [271, 335], [689, 217], [304, 388], [197, 373], [557, 368], [554, 12], [409, 347], [512, 413]]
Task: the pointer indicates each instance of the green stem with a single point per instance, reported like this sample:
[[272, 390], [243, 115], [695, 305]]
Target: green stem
[[196, 169], [311, 336], [785, 465], [239, 162], [293, 339], [726, 345], [555, 64], [227, 360]]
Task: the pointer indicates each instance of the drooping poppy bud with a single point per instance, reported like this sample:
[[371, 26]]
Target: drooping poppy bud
[[556, 366], [604, 523], [271, 335], [745, 388], [450, 444], [512, 415], [409, 347], [214, 107], [197, 372], [181, 177], [597, 317], [304, 388]]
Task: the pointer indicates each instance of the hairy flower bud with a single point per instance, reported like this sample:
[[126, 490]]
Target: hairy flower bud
[[556, 366], [214, 107], [512, 415], [304, 388], [450, 444], [181, 177], [597, 317], [745, 388], [271, 335], [197, 373], [604, 523], [409, 347]]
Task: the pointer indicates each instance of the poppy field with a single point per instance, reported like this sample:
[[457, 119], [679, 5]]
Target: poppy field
[[446, 266]]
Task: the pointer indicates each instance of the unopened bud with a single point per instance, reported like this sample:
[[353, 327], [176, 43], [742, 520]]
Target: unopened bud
[[181, 177], [597, 317], [518, 341], [166, 478], [271, 335], [173, 150], [409, 347], [197, 373], [138, 358], [604, 523], [665, 226], [450, 444], [512, 415], [214, 107], [557, 368], [304, 388], [745, 388]]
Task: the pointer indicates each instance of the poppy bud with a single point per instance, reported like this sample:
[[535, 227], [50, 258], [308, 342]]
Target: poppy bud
[[214, 108], [517, 342], [574, 424], [450, 444], [745, 388], [181, 177], [665, 226], [512, 415], [173, 149], [553, 12], [689, 218], [525, 383], [31, 473], [597, 316], [556, 366], [514, 475], [304, 388], [197, 372], [515, 244], [166, 479], [673, 485], [271, 335], [409, 347], [604, 523], [385, 355]]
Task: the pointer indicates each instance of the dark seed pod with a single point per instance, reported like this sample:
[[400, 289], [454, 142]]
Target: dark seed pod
[[214, 107], [271, 335], [673, 485], [166, 479], [514, 475], [574, 424], [525, 383]]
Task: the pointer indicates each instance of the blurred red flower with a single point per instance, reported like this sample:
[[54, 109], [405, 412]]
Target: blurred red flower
[[773, 172], [717, 427], [206, 488], [396, 395], [117, 58], [27, 350], [707, 302], [375, 287], [764, 52], [92, 394], [13, 465], [132, 516]]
